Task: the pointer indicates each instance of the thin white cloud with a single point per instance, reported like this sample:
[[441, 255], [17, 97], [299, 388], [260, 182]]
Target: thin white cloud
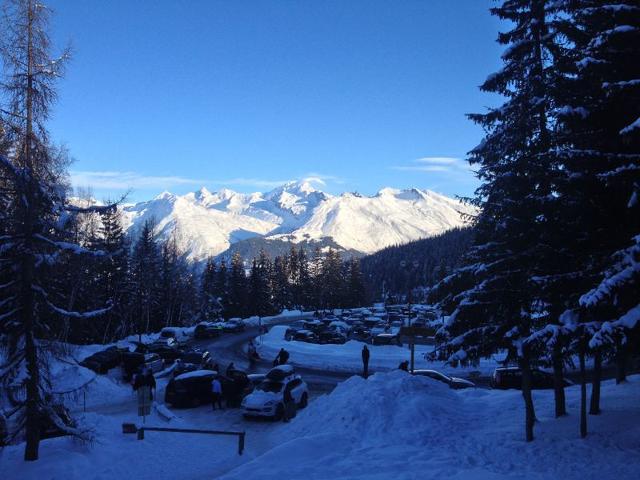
[[116, 180], [128, 180], [435, 164], [439, 160]]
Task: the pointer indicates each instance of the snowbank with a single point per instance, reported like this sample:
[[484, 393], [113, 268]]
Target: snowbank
[[395, 426], [348, 357], [256, 321]]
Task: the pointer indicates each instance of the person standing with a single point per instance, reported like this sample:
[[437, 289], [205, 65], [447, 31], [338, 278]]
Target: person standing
[[289, 405], [365, 361], [216, 394], [150, 381]]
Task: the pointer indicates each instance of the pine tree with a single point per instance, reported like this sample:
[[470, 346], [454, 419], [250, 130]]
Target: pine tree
[[599, 121], [237, 298], [210, 307], [35, 222], [500, 310], [145, 273], [221, 287], [260, 286], [355, 284], [281, 288]]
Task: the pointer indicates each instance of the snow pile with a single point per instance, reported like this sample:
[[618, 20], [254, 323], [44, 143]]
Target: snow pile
[[348, 357], [395, 426], [361, 410]]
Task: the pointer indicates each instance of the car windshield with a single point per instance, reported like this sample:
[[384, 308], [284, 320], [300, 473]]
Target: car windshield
[[192, 358], [268, 386]]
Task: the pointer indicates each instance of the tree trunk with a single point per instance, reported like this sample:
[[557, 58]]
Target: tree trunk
[[28, 264], [594, 407], [621, 363], [530, 415], [558, 382], [583, 394]]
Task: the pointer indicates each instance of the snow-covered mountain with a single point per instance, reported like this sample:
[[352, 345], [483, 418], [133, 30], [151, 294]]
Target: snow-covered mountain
[[207, 223]]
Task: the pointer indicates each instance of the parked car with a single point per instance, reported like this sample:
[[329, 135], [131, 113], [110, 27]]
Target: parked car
[[193, 360], [235, 325], [207, 330], [267, 400], [511, 377], [387, 339], [360, 333], [331, 337], [304, 336], [103, 361], [134, 362], [168, 353], [453, 382], [192, 389], [171, 336]]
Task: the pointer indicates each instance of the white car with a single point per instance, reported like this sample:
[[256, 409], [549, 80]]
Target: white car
[[267, 400]]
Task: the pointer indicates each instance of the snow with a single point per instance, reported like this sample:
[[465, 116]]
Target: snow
[[348, 357], [392, 425], [398, 426], [195, 374], [629, 128], [206, 224]]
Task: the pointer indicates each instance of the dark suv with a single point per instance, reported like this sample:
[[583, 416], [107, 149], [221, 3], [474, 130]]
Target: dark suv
[[192, 389], [193, 360], [504, 378]]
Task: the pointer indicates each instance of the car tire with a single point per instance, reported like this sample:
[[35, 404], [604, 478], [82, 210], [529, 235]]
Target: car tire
[[279, 412], [304, 401]]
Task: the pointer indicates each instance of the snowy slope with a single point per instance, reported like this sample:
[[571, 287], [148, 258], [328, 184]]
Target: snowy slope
[[395, 426], [206, 224]]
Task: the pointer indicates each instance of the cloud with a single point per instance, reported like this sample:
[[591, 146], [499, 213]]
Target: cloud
[[128, 180], [322, 179], [436, 164]]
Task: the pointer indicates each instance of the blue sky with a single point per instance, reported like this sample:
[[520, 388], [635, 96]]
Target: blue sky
[[360, 95]]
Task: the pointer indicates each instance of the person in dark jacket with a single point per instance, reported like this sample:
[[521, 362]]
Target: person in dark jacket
[[150, 381], [404, 365], [283, 357], [365, 361], [230, 369], [289, 405]]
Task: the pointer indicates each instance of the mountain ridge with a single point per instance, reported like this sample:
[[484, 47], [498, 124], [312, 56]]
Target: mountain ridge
[[206, 224]]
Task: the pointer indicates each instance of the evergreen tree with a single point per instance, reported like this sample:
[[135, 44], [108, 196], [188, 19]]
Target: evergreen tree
[[237, 297], [355, 285], [35, 221], [598, 120], [260, 286], [210, 306], [500, 310], [281, 288], [146, 276]]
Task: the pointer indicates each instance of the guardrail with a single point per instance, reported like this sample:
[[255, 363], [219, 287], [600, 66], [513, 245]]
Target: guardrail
[[132, 428]]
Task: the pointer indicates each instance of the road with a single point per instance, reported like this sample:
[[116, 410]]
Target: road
[[229, 348]]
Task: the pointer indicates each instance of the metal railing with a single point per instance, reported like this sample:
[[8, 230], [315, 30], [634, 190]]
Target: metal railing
[[132, 428]]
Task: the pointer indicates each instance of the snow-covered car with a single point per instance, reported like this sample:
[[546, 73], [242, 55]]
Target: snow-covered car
[[193, 360], [267, 399], [504, 378], [135, 362], [234, 325], [207, 330], [304, 336], [453, 382], [386, 339], [171, 336]]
